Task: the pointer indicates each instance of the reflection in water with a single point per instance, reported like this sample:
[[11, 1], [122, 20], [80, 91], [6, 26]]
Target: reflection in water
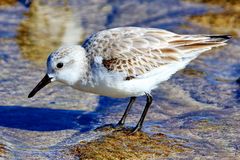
[[2, 150], [7, 2], [224, 22], [43, 21], [193, 72]]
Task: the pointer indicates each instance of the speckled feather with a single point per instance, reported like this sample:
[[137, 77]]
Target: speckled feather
[[135, 51]]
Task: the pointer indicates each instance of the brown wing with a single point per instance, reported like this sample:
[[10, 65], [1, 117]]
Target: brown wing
[[135, 51]]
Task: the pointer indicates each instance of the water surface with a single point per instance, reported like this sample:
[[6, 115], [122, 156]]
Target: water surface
[[197, 109]]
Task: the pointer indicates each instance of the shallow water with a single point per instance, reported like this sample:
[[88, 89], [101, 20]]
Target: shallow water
[[198, 106]]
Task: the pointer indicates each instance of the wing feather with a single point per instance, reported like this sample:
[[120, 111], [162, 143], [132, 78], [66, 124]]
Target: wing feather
[[135, 51]]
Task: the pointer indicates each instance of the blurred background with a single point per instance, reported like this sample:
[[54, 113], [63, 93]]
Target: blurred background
[[197, 110]]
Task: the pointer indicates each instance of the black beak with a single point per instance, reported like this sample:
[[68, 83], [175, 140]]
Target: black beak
[[46, 79]]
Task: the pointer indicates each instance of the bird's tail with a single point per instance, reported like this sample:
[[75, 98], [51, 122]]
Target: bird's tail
[[200, 42], [219, 38], [192, 45]]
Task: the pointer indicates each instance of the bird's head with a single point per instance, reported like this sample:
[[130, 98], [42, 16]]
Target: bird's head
[[68, 64]]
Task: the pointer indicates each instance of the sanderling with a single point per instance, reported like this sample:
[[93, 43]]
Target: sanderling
[[125, 62]]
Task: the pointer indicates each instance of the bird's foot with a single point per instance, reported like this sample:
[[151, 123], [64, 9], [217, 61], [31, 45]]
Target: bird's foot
[[110, 127], [119, 125], [136, 129], [106, 127]]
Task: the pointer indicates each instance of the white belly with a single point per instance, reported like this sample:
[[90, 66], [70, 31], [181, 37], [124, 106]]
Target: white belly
[[113, 85], [117, 89]]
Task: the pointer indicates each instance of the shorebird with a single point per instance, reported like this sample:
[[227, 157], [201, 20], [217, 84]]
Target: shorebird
[[125, 62]]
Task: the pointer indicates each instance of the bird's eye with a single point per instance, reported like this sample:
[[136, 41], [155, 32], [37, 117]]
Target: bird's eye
[[60, 65]]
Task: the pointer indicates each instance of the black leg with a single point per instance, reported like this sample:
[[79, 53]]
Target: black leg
[[122, 121], [140, 122]]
